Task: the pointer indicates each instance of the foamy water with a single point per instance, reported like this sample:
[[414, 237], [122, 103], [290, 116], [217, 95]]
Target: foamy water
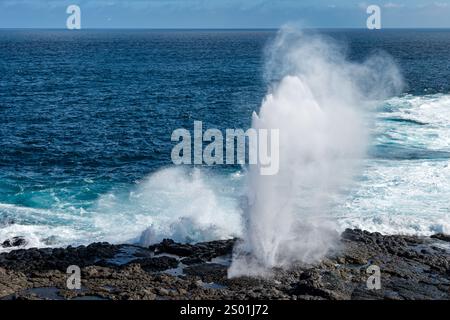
[[405, 189]]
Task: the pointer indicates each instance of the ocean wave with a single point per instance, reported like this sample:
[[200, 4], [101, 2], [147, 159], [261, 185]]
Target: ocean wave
[[195, 205], [42, 236], [415, 123], [187, 205], [404, 188], [398, 197]]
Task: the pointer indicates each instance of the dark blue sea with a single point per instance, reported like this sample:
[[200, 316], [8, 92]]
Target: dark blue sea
[[86, 119]]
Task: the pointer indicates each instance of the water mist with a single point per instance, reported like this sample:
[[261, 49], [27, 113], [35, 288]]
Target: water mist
[[318, 103]]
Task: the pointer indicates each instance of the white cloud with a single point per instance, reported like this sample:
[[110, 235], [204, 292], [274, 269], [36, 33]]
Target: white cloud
[[441, 4], [393, 5]]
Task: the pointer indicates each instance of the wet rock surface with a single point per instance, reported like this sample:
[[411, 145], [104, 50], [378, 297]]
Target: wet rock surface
[[411, 268], [14, 242], [441, 236]]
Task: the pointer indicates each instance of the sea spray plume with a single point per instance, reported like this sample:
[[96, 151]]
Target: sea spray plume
[[318, 105], [179, 203]]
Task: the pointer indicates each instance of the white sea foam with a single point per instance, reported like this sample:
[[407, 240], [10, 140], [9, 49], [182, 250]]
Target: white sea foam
[[405, 197], [430, 113], [400, 197], [183, 204], [187, 205], [43, 227], [41, 236], [406, 189]]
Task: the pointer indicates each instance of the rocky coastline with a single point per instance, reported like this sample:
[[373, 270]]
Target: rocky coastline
[[410, 268]]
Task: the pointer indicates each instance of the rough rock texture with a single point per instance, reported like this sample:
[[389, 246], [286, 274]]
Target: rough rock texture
[[411, 268], [441, 236], [200, 252], [56, 259], [14, 242]]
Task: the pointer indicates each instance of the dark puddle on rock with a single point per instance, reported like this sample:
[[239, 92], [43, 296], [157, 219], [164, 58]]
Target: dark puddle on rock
[[224, 261], [442, 245], [176, 272], [212, 285], [45, 293], [128, 253], [49, 293]]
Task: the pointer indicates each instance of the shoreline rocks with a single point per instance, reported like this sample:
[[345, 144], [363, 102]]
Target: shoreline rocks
[[410, 268], [14, 242], [441, 236]]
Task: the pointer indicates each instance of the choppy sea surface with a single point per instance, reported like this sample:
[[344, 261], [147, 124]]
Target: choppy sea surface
[[86, 120]]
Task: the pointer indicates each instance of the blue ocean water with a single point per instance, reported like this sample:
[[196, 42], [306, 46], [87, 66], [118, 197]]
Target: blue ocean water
[[86, 120]]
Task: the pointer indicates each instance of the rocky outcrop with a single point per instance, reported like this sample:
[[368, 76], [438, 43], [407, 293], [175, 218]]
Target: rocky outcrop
[[410, 268], [14, 242], [197, 253], [56, 259], [441, 236]]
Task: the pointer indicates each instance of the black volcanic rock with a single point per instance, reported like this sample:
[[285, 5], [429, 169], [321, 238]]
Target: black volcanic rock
[[56, 259], [171, 247], [411, 268], [441, 236], [156, 264], [208, 272], [192, 260], [200, 251], [14, 242]]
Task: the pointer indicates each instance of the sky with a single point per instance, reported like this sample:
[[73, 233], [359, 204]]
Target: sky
[[223, 13]]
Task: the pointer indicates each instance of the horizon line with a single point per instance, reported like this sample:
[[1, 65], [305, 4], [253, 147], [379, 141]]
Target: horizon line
[[225, 28]]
